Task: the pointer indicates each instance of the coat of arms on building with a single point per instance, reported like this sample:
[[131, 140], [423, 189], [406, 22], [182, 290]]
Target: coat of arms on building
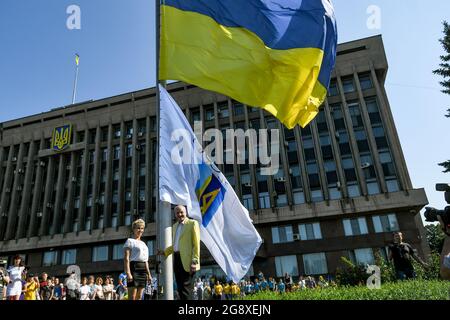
[[61, 137]]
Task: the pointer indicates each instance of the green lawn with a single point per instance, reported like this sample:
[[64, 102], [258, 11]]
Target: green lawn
[[406, 290]]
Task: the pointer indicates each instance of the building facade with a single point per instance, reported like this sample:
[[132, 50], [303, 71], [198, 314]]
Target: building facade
[[73, 179]]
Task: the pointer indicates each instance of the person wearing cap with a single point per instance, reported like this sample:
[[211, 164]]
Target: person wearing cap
[[30, 287]]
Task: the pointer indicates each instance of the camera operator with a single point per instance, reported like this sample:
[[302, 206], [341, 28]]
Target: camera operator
[[445, 254], [443, 216]]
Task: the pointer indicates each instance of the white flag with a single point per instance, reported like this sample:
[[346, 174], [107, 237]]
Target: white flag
[[187, 178]]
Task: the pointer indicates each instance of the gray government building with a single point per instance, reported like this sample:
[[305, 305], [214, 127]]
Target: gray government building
[[343, 186]]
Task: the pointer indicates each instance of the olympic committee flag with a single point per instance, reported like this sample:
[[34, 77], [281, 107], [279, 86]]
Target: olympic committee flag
[[273, 54], [186, 178]]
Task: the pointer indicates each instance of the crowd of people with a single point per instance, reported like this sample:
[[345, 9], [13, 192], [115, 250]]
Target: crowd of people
[[207, 289], [20, 284]]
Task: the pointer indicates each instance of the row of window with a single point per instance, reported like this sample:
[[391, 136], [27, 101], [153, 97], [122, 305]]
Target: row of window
[[352, 227], [99, 254], [316, 263], [348, 84]]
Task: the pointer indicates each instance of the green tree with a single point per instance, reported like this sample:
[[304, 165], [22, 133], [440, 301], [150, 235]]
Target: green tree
[[435, 237], [444, 71]]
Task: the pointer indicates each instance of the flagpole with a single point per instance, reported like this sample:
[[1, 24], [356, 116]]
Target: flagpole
[[163, 214], [75, 86]]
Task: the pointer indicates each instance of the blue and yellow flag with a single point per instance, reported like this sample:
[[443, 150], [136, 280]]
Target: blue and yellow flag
[[275, 54], [77, 59]]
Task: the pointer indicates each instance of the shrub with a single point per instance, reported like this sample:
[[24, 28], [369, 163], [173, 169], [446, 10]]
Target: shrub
[[401, 290], [350, 274]]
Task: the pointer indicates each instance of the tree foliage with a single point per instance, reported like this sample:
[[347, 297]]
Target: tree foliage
[[444, 72]]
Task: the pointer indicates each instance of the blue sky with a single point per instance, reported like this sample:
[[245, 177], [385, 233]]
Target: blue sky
[[116, 45]]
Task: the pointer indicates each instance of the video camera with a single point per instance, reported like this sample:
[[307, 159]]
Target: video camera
[[431, 214]]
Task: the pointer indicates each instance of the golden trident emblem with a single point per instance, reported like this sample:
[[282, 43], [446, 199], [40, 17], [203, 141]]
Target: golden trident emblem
[[61, 138]]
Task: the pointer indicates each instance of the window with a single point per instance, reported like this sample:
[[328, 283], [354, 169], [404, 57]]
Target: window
[[128, 219], [118, 251], [335, 193], [299, 197], [105, 154], [333, 90], [282, 234], [100, 253], [315, 263], [114, 221], [69, 256], [151, 247], [349, 168], [316, 195], [353, 190], [310, 231], [209, 113], [392, 185], [129, 150], [372, 188], [50, 258], [387, 164], [355, 113], [223, 110], [348, 84], [282, 200], [264, 200], [116, 152], [238, 108], [355, 227], [385, 223], [374, 113], [362, 256], [196, 115], [286, 264], [365, 81]]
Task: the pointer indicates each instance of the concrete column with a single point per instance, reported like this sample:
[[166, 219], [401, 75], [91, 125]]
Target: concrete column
[[84, 182], [302, 164], [352, 138], [37, 193], [68, 219], [56, 221], [96, 182], [149, 169], [237, 186], [391, 133], [2, 173], [107, 213], [11, 226], [285, 165], [320, 163], [370, 136], [135, 172], [6, 192], [26, 197], [48, 206], [336, 152], [122, 177], [252, 168]]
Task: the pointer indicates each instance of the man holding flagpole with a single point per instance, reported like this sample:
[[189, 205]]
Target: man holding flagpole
[[186, 177], [186, 252]]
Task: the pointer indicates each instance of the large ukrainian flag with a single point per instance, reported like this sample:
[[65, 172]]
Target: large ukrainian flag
[[275, 54]]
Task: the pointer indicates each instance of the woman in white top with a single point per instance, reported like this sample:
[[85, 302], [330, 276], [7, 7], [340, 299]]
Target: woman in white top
[[85, 290], [14, 288], [98, 289], [136, 262]]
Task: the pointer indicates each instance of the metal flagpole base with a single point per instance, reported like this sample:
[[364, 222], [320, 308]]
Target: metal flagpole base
[[165, 231]]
